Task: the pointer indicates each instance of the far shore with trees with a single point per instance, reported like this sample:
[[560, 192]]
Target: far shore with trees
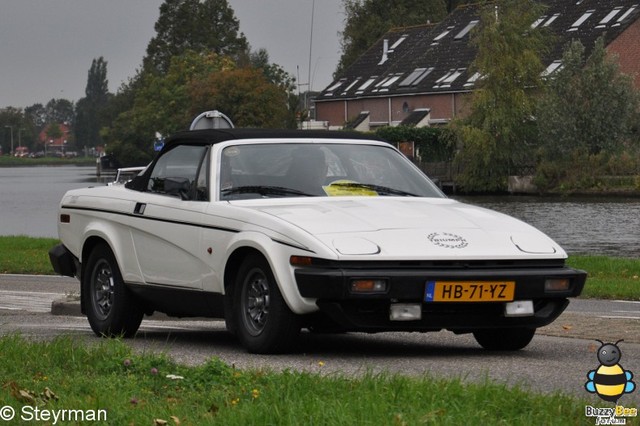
[[575, 132]]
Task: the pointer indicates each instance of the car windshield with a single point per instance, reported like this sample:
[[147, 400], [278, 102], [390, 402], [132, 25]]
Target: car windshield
[[319, 169]]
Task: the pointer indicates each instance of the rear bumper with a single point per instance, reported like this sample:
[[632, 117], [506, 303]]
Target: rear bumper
[[371, 312], [63, 261]]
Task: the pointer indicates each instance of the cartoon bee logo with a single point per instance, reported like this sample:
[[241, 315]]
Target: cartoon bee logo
[[610, 380]]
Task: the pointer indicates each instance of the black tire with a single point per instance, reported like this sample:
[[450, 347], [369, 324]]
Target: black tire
[[264, 323], [111, 308], [504, 339]]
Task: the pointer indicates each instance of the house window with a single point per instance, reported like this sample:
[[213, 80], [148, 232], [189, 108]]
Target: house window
[[365, 85], [446, 80], [466, 29], [349, 87], [334, 86], [415, 77], [391, 80], [472, 80], [610, 15], [442, 35], [538, 21], [553, 67], [550, 21], [580, 21], [398, 42], [627, 13]]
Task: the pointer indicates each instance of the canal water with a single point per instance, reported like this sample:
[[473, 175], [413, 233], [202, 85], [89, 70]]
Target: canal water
[[29, 198]]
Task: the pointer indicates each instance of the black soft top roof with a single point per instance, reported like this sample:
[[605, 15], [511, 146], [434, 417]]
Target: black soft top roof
[[221, 135]]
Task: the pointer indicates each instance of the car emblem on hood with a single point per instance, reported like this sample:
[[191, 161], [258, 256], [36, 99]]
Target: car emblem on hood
[[445, 239]]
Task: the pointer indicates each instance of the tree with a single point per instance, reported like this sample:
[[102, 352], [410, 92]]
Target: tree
[[161, 103], [246, 96], [89, 110], [11, 121], [198, 25], [497, 136], [368, 20], [59, 111], [589, 105]]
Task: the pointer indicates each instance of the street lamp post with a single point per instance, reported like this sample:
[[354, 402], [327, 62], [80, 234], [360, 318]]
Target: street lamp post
[[11, 128], [20, 137]]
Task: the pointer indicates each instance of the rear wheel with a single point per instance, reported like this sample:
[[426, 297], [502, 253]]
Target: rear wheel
[[264, 323], [111, 308], [504, 339]]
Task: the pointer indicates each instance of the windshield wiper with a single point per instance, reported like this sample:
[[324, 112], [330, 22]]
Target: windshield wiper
[[263, 190], [377, 188]]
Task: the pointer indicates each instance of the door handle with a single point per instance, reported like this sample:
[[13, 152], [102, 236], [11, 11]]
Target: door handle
[[139, 209]]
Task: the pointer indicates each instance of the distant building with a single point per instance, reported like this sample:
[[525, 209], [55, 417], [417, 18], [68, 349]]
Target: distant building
[[58, 144], [419, 76]]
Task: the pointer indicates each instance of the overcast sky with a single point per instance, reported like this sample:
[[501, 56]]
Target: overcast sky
[[46, 46]]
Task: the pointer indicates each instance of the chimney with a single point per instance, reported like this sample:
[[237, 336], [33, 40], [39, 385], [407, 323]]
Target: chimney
[[385, 51]]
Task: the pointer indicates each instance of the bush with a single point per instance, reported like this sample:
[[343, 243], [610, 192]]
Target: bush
[[432, 144]]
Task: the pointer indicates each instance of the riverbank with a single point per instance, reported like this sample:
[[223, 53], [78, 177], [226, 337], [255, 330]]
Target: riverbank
[[609, 277]]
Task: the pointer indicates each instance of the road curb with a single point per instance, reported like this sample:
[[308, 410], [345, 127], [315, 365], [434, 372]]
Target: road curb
[[66, 307]]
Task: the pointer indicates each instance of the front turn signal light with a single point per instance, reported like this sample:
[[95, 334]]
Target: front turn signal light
[[301, 261], [557, 284], [368, 286]]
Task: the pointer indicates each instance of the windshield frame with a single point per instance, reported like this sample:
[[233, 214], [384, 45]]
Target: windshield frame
[[422, 187]]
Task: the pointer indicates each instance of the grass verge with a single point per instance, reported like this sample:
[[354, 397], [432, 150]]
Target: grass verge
[[26, 255], [609, 277], [147, 389]]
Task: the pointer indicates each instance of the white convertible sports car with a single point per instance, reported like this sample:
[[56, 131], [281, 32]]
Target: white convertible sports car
[[276, 231]]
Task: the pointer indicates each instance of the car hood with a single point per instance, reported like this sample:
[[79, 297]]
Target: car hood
[[411, 228]]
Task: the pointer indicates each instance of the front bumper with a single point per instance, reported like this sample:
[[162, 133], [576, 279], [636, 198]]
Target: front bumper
[[63, 261], [330, 285]]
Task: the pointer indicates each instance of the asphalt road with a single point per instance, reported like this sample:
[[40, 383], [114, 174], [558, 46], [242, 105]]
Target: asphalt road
[[558, 359]]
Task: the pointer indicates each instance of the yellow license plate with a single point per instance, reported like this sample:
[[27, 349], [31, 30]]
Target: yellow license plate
[[469, 291]]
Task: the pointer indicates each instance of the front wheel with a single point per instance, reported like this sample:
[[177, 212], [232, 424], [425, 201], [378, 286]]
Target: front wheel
[[264, 323], [110, 307], [504, 339]]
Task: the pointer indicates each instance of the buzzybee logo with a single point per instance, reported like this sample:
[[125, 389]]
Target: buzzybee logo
[[610, 381]]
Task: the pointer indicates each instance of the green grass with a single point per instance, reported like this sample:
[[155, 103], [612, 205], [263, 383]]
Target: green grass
[[609, 277], [26, 255], [134, 389]]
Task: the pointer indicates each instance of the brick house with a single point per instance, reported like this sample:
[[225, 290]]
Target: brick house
[[419, 76], [59, 144]]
